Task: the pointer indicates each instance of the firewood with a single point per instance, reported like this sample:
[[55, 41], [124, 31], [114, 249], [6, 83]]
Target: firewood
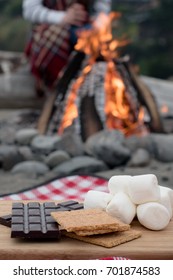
[[46, 113], [65, 76], [146, 97], [149, 101]]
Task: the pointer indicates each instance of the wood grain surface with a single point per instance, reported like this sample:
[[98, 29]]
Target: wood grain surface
[[152, 245]]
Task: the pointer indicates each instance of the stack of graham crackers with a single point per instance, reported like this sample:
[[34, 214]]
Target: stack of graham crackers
[[95, 226]]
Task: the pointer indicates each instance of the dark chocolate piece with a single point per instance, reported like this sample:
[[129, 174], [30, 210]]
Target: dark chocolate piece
[[69, 205], [34, 220], [6, 220]]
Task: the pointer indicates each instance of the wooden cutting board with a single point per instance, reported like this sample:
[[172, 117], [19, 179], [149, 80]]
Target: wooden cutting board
[[152, 245]]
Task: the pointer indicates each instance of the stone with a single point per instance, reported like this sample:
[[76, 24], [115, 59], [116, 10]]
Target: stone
[[135, 142], [7, 135], [9, 156], [71, 143], [6, 150], [26, 153], [163, 144], [140, 157], [44, 144], [25, 136], [108, 146], [31, 167], [56, 158], [80, 164], [15, 121]]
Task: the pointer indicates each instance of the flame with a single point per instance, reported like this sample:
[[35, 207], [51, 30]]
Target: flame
[[99, 40], [95, 42], [117, 108]]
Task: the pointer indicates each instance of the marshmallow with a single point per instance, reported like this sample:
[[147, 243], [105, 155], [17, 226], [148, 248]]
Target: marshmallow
[[170, 194], [97, 199], [166, 198], [153, 215], [144, 188], [122, 208], [119, 183]]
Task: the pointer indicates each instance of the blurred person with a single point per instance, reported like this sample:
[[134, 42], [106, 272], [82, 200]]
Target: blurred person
[[53, 35]]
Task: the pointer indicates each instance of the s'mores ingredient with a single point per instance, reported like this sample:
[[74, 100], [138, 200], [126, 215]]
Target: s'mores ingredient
[[165, 199], [95, 231], [169, 193], [97, 199], [122, 207], [119, 183], [88, 220], [6, 220], [108, 240], [153, 215], [126, 193], [144, 188], [33, 220]]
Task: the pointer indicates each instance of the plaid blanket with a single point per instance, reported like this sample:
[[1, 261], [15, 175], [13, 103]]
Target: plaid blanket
[[49, 46]]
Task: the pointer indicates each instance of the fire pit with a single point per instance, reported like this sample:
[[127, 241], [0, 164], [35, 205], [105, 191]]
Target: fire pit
[[98, 90]]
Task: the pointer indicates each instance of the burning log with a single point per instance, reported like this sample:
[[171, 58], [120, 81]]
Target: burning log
[[90, 122], [148, 100], [144, 95], [65, 76], [98, 90]]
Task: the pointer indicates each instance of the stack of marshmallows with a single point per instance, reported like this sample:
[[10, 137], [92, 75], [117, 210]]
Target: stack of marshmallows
[[131, 196]]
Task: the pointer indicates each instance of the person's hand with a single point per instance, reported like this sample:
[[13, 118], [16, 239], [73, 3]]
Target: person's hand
[[76, 15]]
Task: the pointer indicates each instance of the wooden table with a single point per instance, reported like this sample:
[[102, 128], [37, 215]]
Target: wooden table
[[152, 245]]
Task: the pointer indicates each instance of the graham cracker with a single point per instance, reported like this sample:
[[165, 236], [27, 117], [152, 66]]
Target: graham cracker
[[89, 220], [100, 231], [107, 240]]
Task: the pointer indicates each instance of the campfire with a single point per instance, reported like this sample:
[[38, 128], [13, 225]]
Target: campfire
[[98, 89]]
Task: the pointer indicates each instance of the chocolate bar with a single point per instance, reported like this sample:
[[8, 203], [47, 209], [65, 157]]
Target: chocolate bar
[[6, 220], [33, 220], [69, 205]]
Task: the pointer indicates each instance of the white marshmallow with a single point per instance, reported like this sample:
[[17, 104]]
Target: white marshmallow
[[122, 208], [170, 193], [97, 199], [165, 199], [119, 183], [144, 188], [153, 215]]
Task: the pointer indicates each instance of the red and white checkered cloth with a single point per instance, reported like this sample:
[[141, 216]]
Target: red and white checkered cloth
[[72, 187]]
